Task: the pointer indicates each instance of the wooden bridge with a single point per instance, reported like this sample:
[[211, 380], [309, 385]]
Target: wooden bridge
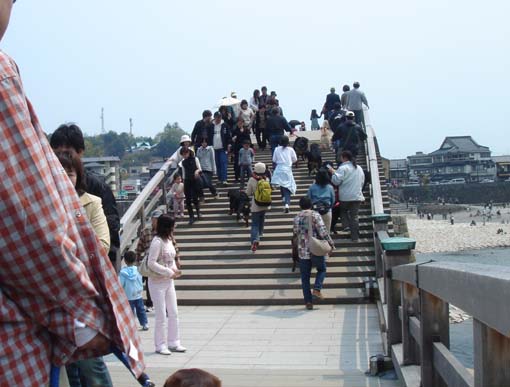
[[411, 299]]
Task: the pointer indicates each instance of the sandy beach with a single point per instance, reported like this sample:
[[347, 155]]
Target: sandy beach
[[434, 236]]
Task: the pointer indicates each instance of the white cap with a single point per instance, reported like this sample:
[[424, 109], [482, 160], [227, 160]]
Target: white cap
[[185, 138], [260, 168]]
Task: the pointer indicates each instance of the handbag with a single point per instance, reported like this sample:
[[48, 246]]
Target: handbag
[[145, 270], [318, 247]]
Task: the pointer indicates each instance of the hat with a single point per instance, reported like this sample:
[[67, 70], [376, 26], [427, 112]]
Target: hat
[[185, 138], [274, 93], [156, 213], [349, 114], [260, 168]]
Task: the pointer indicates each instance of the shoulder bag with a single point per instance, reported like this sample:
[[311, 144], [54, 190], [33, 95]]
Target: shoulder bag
[[318, 247], [144, 268]]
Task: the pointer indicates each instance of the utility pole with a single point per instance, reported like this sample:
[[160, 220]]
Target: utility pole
[[102, 121], [131, 127]]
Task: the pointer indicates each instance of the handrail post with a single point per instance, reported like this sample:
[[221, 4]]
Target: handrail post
[[380, 224], [397, 251], [434, 327], [410, 308], [491, 356]]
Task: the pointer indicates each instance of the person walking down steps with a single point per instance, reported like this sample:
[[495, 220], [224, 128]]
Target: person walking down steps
[[191, 176], [284, 157]]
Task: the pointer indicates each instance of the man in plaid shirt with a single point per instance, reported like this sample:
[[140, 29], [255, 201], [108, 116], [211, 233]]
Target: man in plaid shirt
[[60, 298]]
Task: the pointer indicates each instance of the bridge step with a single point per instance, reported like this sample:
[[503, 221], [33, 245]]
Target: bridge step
[[220, 269], [267, 297]]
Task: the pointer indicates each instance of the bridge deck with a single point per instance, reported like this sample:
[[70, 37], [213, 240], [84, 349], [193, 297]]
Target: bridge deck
[[270, 346]]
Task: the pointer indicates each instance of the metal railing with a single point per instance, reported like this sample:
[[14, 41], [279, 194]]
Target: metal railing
[[152, 196]]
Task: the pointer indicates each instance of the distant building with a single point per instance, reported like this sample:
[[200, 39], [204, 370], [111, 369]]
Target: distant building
[[457, 157], [398, 172], [502, 167], [107, 167], [141, 146]]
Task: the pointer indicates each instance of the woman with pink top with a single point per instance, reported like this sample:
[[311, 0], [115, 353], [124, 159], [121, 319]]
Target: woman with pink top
[[164, 260]]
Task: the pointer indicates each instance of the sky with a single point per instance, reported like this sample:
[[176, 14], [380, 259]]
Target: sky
[[429, 69]]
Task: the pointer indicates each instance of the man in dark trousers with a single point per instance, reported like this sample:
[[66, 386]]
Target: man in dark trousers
[[355, 100], [203, 129], [331, 99], [70, 136], [276, 126], [350, 134]]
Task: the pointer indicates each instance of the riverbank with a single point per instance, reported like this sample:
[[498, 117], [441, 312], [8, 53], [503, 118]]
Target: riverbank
[[434, 236]]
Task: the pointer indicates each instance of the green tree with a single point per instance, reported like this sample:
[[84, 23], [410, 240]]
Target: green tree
[[168, 140]]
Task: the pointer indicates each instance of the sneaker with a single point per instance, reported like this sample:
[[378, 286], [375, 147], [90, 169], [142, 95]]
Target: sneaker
[[254, 246], [309, 306], [317, 294], [177, 348], [149, 308], [217, 196], [165, 352], [286, 208], [145, 327]]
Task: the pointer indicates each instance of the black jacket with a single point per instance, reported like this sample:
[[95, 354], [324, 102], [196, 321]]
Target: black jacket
[[201, 130], [350, 134], [96, 186], [277, 125], [239, 138], [331, 99]]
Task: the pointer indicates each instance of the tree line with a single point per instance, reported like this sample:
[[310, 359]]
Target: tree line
[[120, 144]]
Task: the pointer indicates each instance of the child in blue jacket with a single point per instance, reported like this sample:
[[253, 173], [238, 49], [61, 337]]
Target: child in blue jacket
[[131, 281]]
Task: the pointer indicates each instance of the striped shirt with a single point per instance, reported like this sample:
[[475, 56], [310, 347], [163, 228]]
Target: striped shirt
[[53, 267]]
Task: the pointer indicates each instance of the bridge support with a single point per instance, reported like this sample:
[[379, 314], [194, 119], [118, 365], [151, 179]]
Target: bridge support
[[492, 356], [397, 251]]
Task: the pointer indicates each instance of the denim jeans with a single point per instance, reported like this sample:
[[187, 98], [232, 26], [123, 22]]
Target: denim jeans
[[89, 373], [257, 225], [220, 157], [305, 266], [245, 170], [139, 310], [285, 195]]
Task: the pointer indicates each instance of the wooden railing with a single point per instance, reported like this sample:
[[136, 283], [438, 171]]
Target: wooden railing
[[152, 196], [414, 300], [419, 304]]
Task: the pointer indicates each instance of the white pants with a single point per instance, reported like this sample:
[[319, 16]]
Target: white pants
[[165, 302]]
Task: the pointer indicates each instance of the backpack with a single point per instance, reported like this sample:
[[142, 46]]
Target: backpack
[[262, 194]]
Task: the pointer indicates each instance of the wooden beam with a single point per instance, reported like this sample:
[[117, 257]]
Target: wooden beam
[[492, 356]]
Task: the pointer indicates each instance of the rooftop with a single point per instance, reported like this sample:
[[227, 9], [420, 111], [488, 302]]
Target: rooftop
[[455, 144]]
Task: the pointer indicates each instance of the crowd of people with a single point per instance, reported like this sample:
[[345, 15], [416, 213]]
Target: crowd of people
[[63, 304]]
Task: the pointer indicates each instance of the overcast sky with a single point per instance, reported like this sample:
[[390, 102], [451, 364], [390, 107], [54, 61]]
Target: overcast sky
[[429, 68]]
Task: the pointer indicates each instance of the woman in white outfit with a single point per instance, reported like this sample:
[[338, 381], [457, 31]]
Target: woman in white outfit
[[163, 259], [283, 158]]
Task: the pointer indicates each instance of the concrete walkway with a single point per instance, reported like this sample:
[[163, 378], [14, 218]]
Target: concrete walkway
[[270, 346]]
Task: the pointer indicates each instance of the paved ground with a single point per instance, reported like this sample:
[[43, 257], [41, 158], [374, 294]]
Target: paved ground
[[270, 346]]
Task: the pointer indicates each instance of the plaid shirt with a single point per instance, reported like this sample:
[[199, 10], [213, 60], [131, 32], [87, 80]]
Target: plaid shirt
[[53, 267], [301, 228]]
